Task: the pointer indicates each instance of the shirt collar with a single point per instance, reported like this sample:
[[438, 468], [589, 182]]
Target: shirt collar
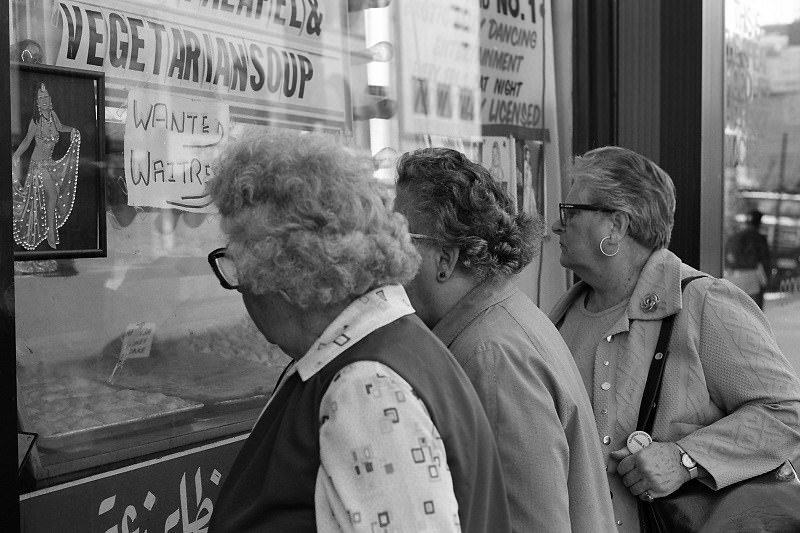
[[471, 305], [367, 313]]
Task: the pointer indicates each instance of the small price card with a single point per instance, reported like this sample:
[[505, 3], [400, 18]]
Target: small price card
[[136, 344], [137, 341]]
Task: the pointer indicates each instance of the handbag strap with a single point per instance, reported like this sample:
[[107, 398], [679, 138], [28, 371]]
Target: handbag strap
[[652, 387]]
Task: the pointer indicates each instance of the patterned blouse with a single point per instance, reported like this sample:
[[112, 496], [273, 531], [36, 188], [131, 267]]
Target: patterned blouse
[[374, 414]]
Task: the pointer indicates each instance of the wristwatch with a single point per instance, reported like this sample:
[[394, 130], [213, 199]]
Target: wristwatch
[[687, 462]]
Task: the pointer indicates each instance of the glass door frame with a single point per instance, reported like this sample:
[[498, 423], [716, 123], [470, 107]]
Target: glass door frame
[[712, 135], [9, 472]]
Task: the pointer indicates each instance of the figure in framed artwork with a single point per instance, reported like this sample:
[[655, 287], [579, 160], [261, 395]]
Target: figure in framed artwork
[[496, 170], [43, 200]]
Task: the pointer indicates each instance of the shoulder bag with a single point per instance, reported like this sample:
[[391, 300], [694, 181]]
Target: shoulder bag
[[766, 503]]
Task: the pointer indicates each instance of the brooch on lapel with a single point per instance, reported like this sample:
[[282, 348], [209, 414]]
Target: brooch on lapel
[[649, 302]]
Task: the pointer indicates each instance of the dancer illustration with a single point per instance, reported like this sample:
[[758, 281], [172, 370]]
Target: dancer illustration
[[43, 202]]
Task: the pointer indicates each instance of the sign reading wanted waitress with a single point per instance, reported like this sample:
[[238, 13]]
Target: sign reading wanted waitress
[[170, 145]]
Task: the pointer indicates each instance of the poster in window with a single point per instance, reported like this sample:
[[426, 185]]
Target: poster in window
[[498, 156], [57, 162], [530, 177]]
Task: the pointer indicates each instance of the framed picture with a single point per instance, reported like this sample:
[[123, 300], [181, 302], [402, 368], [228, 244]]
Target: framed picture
[[497, 155], [530, 177], [57, 162]]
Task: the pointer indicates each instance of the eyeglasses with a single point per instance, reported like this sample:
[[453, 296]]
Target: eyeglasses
[[224, 267], [564, 210], [422, 237]]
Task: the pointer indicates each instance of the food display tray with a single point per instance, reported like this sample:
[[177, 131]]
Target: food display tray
[[57, 441], [65, 406]]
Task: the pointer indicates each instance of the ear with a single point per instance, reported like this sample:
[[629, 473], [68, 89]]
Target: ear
[[620, 223], [446, 262]]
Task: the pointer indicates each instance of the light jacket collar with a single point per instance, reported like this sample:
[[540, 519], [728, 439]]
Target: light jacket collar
[[659, 280], [473, 304]]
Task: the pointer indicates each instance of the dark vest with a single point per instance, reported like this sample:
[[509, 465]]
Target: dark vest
[[271, 484]]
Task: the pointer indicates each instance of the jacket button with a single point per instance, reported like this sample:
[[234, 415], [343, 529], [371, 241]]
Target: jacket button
[[606, 440], [606, 385]]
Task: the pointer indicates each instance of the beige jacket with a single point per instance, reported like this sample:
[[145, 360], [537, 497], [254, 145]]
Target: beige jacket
[[729, 396], [537, 406]]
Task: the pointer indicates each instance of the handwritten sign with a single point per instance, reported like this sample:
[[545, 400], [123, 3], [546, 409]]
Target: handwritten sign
[[276, 62], [137, 341], [170, 144]]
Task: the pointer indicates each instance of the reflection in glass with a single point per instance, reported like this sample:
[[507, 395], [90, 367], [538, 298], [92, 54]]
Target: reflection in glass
[[762, 169]]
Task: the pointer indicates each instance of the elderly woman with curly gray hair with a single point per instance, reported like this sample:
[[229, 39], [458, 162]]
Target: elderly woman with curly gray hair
[[729, 406], [373, 426], [472, 244]]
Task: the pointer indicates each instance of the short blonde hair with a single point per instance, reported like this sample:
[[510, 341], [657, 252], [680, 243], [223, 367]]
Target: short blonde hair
[[304, 215], [623, 180]]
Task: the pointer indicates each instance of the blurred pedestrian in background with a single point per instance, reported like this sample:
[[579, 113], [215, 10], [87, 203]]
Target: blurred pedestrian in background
[[747, 259]]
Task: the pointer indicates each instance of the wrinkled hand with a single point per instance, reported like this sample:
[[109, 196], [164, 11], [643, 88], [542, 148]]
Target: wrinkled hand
[[656, 469]]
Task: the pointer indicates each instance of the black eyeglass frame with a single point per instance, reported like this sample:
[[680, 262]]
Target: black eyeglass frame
[[213, 256], [422, 237], [563, 207]]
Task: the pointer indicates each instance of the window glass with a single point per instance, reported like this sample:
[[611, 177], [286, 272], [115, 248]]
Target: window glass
[[762, 169], [127, 344]]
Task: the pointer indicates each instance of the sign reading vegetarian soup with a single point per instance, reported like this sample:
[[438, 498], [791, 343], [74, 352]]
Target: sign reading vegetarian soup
[[278, 63]]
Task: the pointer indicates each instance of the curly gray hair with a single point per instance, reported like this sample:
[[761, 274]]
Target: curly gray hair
[[304, 215], [623, 180], [465, 207]]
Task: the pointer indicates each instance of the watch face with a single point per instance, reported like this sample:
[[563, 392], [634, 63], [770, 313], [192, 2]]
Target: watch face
[[687, 461]]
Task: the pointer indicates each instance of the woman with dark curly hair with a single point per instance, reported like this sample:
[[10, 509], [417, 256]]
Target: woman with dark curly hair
[[373, 426], [472, 243]]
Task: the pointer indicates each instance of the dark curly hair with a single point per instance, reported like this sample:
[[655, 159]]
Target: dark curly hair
[[463, 206]]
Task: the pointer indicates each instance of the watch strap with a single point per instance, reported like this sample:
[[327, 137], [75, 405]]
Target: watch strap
[[693, 469]]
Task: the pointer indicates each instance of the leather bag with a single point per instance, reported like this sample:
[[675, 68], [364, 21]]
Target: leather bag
[[766, 503]]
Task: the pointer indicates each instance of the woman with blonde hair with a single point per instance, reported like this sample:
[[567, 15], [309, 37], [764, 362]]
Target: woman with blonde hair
[[729, 407]]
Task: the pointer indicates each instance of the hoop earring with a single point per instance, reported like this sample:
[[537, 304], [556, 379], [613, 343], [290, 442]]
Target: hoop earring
[[603, 251]]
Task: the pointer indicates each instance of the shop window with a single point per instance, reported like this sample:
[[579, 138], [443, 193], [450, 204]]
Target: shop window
[[127, 345]]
